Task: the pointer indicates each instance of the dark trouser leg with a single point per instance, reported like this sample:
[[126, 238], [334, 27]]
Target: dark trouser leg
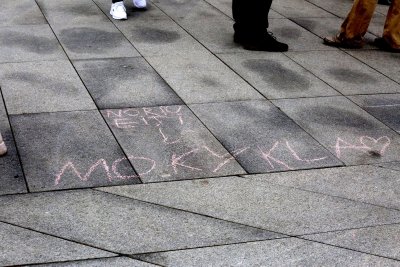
[[115, 1], [251, 17]]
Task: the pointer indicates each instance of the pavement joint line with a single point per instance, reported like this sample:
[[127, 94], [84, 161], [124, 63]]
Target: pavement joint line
[[63, 238], [14, 141], [66, 261], [147, 261]]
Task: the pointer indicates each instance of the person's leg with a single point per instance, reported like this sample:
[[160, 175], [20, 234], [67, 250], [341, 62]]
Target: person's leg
[[355, 25], [391, 32], [251, 23]]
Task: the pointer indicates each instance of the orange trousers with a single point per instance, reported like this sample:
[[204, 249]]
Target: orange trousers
[[356, 24]]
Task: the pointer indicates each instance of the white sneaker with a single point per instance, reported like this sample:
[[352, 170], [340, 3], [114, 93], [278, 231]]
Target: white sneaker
[[3, 148], [118, 10], [140, 3]]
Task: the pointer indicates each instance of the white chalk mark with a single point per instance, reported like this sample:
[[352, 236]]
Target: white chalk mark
[[364, 146], [100, 162], [296, 156], [176, 161], [379, 106], [227, 156], [385, 144], [165, 138], [267, 156], [125, 123], [112, 113]]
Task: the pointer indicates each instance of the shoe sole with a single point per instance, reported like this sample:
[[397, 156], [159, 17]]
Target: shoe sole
[[119, 18], [3, 149]]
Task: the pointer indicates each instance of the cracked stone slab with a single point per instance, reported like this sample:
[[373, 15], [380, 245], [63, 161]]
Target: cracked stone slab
[[282, 252], [104, 262], [344, 73], [202, 78], [379, 240], [21, 246], [298, 38], [69, 150], [124, 83], [353, 135], [100, 40], [35, 87], [12, 178], [381, 61], [72, 12], [368, 184], [273, 142], [29, 43], [170, 143], [21, 12], [276, 76], [120, 224], [299, 9], [385, 107], [159, 37], [261, 204]]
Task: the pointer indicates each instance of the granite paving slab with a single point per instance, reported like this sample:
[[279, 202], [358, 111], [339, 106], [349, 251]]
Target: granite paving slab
[[368, 184], [72, 12], [338, 7], [282, 252], [379, 240], [170, 143], [188, 9], [299, 9], [119, 224], [69, 150], [202, 78], [390, 165], [344, 73], [100, 40], [125, 82], [272, 141], [261, 204], [21, 12], [158, 37], [353, 135], [276, 76], [21, 246], [11, 179], [29, 43], [298, 38], [35, 87], [381, 61], [384, 107], [104, 262]]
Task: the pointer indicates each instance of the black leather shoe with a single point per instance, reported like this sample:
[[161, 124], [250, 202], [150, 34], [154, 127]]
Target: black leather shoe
[[266, 42]]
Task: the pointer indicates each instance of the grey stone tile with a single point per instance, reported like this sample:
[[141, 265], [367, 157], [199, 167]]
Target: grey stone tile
[[299, 9], [261, 204], [390, 165], [159, 37], [323, 27], [29, 43], [202, 78], [385, 107], [272, 140], [120, 224], [344, 73], [368, 184], [276, 76], [21, 246], [338, 7], [100, 40], [11, 178], [125, 82], [298, 38], [380, 240], [34, 87], [21, 12], [186, 10], [72, 12], [105, 262], [69, 150], [352, 134], [386, 63], [282, 252], [170, 143]]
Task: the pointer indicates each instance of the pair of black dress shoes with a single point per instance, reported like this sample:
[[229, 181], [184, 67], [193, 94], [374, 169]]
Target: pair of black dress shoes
[[262, 42]]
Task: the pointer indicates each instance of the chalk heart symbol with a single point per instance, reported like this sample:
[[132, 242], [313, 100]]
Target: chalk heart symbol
[[379, 144]]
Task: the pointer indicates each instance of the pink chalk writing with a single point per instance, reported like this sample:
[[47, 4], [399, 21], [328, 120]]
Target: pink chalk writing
[[366, 144], [227, 157], [180, 160]]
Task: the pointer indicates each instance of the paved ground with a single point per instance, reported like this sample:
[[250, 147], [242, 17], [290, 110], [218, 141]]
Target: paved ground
[[156, 141]]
